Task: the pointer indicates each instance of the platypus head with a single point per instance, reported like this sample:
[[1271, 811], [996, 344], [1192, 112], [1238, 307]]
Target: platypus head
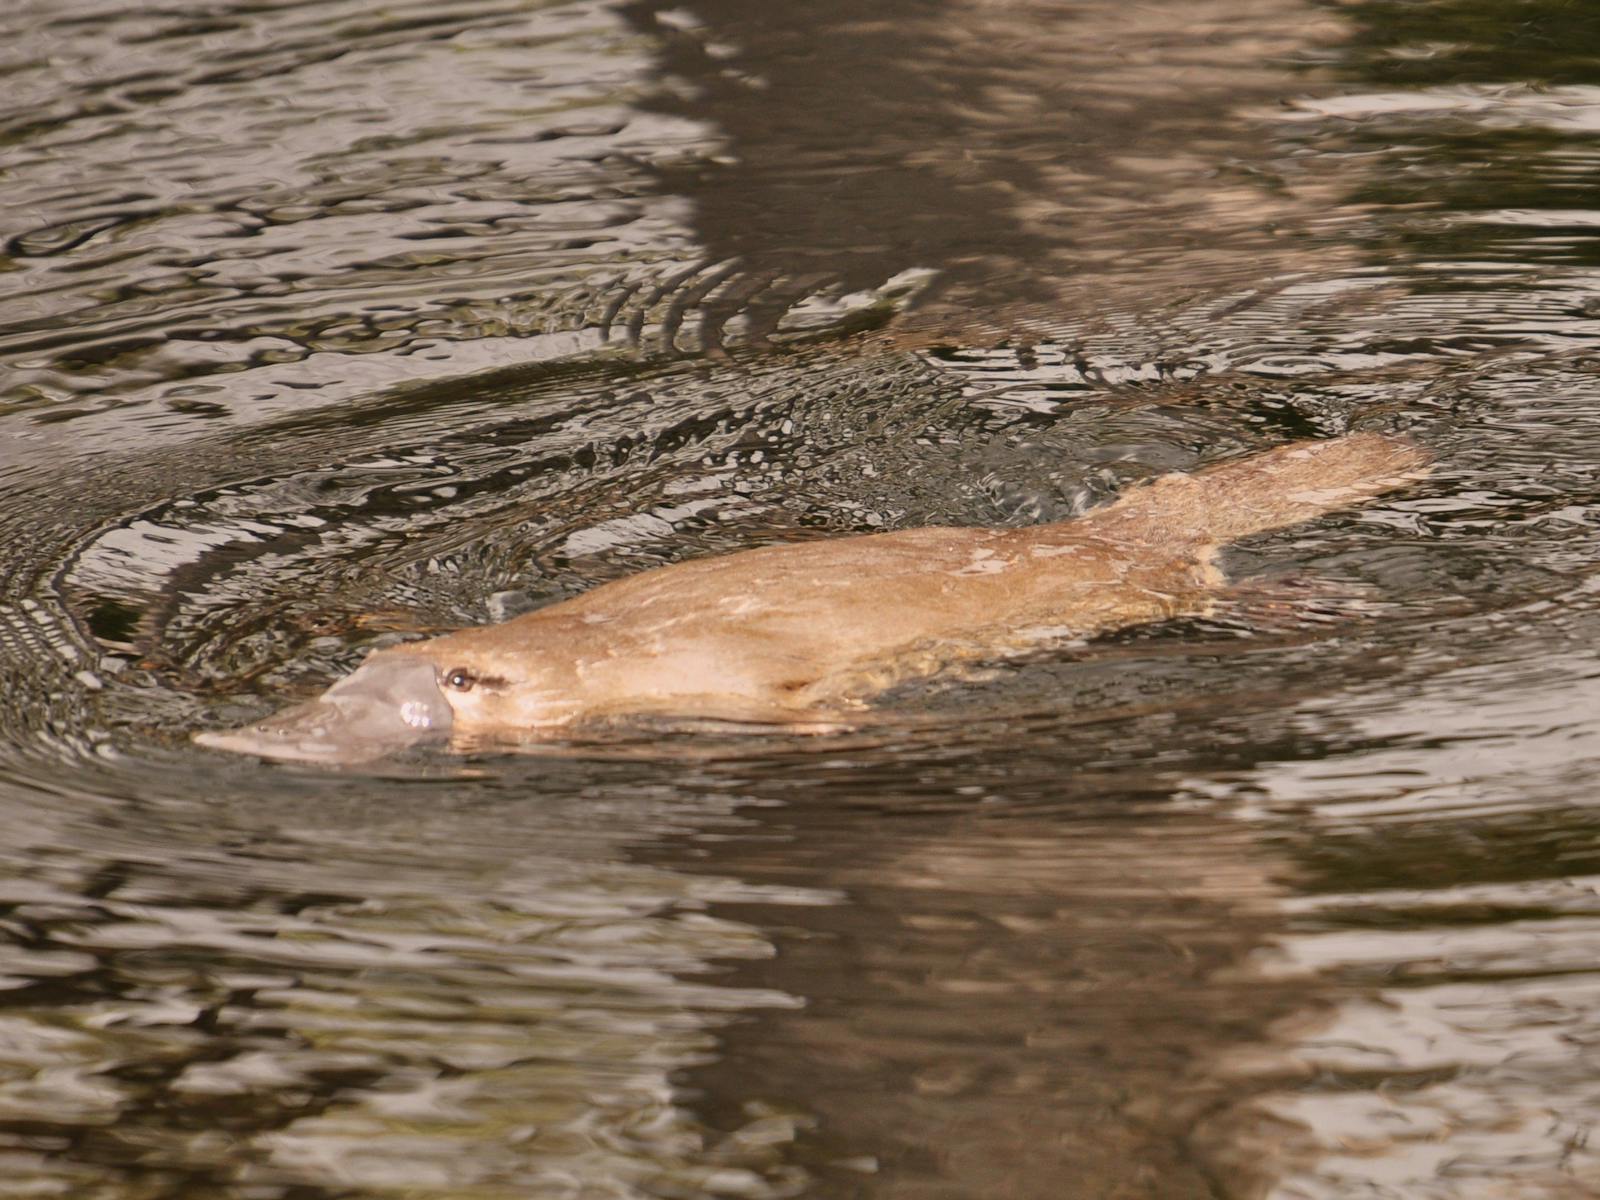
[[453, 685], [389, 702]]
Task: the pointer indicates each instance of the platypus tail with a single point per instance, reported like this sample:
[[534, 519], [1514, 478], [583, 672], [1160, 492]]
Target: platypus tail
[[1282, 487]]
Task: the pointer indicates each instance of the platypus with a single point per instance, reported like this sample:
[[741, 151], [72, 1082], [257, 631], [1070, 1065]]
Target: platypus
[[793, 634]]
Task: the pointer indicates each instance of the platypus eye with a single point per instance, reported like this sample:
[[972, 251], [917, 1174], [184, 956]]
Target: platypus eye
[[459, 679]]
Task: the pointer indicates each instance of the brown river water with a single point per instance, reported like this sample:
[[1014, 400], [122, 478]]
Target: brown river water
[[325, 325]]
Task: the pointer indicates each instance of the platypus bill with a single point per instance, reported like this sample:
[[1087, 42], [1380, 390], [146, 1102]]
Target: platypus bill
[[795, 633]]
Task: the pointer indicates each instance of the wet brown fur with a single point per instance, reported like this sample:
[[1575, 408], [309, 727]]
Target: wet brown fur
[[784, 633]]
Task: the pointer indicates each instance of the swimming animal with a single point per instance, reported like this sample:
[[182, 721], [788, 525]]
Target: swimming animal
[[795, 633]]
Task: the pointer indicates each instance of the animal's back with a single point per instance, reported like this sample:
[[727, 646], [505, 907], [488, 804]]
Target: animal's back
[[809, 623], [1134, 558]]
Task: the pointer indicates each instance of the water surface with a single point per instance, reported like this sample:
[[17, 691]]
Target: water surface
[[328, 325]]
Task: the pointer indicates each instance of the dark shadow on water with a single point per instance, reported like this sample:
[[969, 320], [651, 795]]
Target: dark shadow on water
[[1036, 972], [1001, 148], [853, 151]]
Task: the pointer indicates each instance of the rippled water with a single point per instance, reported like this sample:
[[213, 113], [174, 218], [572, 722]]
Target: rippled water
[[326, 325]]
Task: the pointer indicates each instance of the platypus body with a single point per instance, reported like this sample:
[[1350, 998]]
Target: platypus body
[[797, 633]]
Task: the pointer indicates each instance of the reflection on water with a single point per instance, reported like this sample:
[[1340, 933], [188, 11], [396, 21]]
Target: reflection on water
[[327, 198], [1448, 912], [329, 325], [352, 991]]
